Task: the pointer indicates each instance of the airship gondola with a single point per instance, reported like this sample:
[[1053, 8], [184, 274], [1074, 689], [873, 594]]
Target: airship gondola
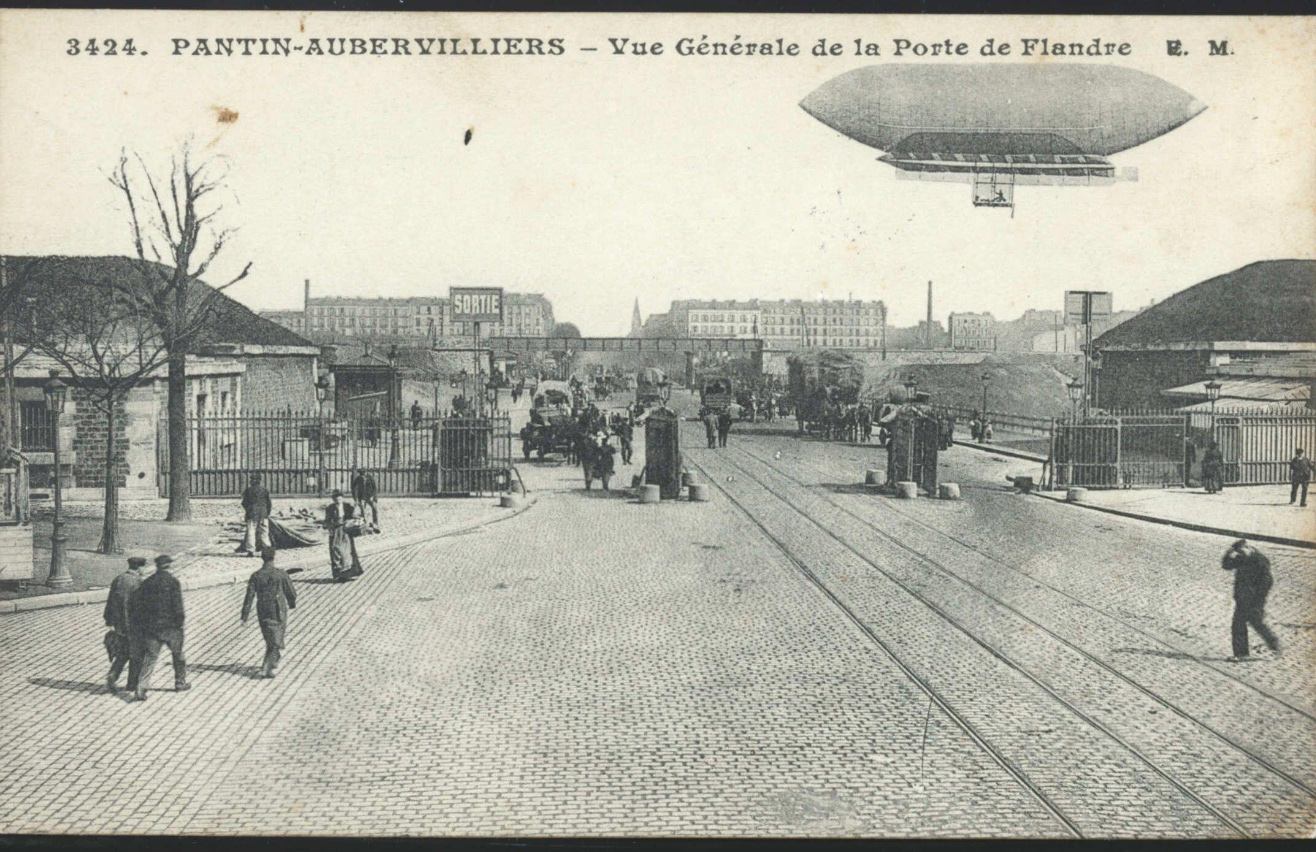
[[998, 126]]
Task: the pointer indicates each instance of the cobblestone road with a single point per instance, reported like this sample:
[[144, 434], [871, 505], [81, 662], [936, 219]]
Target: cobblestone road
[[593, 666]]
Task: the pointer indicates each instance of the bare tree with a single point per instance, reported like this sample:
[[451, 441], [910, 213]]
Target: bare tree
[[109, 348], [176, 234]]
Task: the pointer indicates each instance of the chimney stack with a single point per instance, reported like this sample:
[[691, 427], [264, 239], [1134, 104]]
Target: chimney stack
[[927, 331], [306, 296]]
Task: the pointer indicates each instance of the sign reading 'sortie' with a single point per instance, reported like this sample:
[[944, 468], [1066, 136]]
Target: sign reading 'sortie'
[[476, 304]]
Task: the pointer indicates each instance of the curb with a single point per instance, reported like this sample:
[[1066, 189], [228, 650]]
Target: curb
[[1187, 525], [993, 448], [62, 599]]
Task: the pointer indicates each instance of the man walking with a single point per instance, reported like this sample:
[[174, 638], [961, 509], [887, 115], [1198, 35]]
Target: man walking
[[1252, 582], [723, 427], [1299, 476], [711, 428], [274, 595], [256, 509], [155, 610], [120, 642], [366, 495]]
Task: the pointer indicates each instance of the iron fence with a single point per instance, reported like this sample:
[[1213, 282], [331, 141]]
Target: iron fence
[[306, 454], [1160, 450], [1120, 452]]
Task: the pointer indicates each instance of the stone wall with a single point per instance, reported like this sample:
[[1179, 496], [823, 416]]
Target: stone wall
[[278, 383]]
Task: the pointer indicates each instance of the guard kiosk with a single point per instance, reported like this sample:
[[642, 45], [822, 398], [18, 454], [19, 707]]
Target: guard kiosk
[[913, 446], [662, 452]]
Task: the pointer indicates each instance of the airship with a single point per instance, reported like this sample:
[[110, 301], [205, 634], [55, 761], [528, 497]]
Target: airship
[[997, 126]]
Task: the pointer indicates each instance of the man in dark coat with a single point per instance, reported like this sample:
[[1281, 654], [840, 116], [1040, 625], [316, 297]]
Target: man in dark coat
[[366, 494], [1213, 468], [155, 610], [272, 591], [626, 434], [120, 642], [723, 427], [711, 428], [256, 510], [1252, 582], [1299, 476]]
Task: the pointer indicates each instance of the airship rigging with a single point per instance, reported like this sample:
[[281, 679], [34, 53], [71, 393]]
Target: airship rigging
[[1000, 126]]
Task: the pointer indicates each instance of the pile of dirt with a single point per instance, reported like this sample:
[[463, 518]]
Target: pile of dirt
[[1025, 385]]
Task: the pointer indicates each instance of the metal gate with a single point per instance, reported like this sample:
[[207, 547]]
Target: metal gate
[[304, 454], [1142, 451]]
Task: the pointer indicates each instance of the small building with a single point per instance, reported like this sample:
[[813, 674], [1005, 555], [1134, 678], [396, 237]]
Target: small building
[[239, 364], [1253, 330]]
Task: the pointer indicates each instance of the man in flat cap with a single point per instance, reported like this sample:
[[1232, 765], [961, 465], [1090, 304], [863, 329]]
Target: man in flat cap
[[156, 610], [1252, 582], [272, 591], [119, 642]]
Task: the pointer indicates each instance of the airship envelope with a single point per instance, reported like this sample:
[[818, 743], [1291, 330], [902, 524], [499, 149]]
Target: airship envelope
[[1028, 123]]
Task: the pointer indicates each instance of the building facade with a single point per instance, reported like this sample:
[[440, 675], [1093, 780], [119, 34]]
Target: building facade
[[1256, 324], [335, 318], [782, 324], [972, 331]]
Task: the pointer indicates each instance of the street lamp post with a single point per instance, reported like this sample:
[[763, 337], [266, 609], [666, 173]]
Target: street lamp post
[[321, 396], [1093, 400], [1212, 393], [1075, 394], [393, 406], [56, 393], [982, 423]]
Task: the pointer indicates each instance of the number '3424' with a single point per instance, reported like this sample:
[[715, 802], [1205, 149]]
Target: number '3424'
[[102, 47]]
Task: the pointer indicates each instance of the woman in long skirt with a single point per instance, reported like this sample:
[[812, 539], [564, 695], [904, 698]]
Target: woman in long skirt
[[343, 560]]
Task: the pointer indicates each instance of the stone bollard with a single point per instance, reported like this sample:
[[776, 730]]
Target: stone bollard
[[699, 492], [650, 494], [689, 478], [510, 501], [907, 490], [1076, 495], [948, 491], [875, 477]]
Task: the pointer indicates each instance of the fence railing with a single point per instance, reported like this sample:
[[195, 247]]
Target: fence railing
[[306, 454], [1169, 449], [1004, 420]]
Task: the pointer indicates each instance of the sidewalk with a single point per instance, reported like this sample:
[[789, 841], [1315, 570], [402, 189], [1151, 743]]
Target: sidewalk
[[405, 521], [1260, 512]]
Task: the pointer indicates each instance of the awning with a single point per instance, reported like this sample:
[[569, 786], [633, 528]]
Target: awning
[[1223, 406], [1235, 391]]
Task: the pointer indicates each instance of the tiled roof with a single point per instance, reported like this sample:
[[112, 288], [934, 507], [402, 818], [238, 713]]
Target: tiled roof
[[232, 323], [1272, 301]]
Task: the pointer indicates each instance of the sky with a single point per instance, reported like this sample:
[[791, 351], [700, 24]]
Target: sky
[[597, 179]]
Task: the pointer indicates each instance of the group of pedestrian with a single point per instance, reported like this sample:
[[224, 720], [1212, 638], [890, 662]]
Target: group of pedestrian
[[717, 426], [144, 616]]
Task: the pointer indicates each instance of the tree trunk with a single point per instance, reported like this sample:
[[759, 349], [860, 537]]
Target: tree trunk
[[180, 483], [110, 528]]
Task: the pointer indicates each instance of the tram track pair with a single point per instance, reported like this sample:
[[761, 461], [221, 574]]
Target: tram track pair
[[887, 506], [1016, 772]]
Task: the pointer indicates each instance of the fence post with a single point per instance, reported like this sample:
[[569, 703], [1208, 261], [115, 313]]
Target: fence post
[[324, 443]]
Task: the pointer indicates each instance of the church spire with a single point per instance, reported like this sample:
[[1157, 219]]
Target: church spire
[[636, 322]]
